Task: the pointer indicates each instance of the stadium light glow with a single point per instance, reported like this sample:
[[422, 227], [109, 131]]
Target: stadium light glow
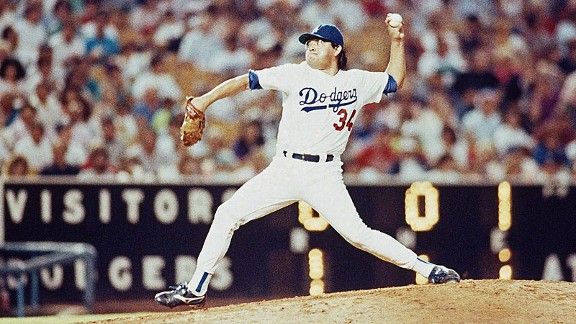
[[316, 287], [504, 206], [506, 272], [307, 218], [316, 264], [316, 271], [504, 255]]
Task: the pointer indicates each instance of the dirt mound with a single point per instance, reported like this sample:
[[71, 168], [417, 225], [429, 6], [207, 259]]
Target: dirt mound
[[471, 301]]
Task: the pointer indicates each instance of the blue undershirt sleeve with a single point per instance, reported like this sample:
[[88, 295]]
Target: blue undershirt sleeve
[[253, 82], [391, 85]]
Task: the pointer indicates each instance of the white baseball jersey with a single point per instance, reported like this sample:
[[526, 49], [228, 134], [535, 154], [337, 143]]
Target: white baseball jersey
[[318, 113], [319, 109]]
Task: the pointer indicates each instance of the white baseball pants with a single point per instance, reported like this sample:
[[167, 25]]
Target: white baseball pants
[[282, 183]]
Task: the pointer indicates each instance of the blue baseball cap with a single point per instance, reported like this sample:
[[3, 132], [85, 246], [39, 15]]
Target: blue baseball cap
[[326, 32]]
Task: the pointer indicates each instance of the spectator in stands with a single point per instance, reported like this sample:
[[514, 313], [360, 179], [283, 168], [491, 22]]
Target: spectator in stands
[[7, 13], [232, 59], [507, 41], [254, 163], [10, 36], [81, 81], [161, 119], [157, 78], [21, 126], [4, 50], [550, 153], [76, 153], [105, 107], [110, 141], [169, 145], [36, 148], [220, 159], [567, 100], [412, 161], [520, 165], [43, 72], [523, 50], [445, 59], [4, 152], [169, 32], [367, 123], [445, 170], [66, 44], [18, 167], [59, 166], [116, 85], [512, 9], [146, 17], [545, 92], [374, 8], [349, 13], [567, 62], [456, 146], [425, 125], [200, 33], [7, 112], [537, 29], [133, 60], [98, 167], [88, 20], [56, 17], [88, 12], [78, 112], [511, 72], [12, 74], [189, 166], [442, 51], [100, 47], [379, 156], [31, 34], [479, 76], [484, 9], [251, 139], [484, 119], [317, 12], [148, 106], [126, 124], [510, 134], [439, 102], [152, 157]]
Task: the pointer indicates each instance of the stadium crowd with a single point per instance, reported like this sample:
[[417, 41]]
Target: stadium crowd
[[94, 89]]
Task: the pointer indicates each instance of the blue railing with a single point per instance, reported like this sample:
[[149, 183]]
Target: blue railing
[[47, 254]]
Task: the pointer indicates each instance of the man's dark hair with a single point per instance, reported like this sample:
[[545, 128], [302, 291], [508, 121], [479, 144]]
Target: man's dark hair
[[20, 70], [342, 59]]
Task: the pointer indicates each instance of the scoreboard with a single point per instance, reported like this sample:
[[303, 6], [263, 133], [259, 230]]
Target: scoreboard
[[148, 236]]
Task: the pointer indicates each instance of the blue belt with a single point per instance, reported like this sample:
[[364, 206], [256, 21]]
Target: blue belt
[[309, 157]]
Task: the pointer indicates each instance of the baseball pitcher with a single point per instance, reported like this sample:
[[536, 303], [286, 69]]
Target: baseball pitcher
[[321, 100]]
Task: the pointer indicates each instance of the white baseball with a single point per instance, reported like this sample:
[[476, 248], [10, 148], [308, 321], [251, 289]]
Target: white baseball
[[395, 20]]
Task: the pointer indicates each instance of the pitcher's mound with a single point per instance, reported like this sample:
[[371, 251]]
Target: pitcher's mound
[[471, 301]]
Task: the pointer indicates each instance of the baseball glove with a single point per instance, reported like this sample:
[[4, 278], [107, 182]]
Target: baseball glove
[[193, 124]]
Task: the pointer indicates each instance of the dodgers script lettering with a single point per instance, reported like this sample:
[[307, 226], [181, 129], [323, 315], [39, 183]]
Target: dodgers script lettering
[[311, 99]]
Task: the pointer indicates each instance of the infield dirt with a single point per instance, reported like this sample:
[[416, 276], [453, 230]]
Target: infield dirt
[[471, 301]]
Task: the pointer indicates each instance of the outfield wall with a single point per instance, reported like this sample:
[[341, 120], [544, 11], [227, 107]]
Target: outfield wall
[[148, 235]]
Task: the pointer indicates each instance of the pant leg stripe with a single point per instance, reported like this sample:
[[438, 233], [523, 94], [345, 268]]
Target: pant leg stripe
[[201, 283]]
